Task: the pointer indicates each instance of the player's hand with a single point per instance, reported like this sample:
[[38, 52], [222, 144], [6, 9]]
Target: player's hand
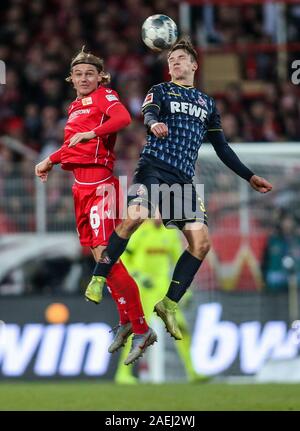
[[42, 169], [81, 137], [260, 184], [160, 130]]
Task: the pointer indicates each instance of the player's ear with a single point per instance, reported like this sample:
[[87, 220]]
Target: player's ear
[[70, 79], [99, 77], [195, 66]]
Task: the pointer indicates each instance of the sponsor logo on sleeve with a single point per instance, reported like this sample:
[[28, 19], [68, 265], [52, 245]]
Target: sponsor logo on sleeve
[[111, 97], [148, 99], [87, 101]]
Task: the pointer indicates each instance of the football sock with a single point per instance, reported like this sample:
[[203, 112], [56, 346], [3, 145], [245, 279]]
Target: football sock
[[123, 316], [111, 254], [128, 295], [183, 275]]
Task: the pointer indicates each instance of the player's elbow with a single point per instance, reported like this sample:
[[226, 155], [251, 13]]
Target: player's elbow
[[124, 118], [127, 119], [120, 115]]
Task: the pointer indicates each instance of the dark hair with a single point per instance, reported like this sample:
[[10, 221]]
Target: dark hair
[[84, 57], [185, 44]]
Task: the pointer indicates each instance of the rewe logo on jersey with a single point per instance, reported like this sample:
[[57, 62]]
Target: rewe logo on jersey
[[188, 108]]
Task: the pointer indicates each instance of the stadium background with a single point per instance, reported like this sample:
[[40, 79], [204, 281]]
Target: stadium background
[[246, 294]]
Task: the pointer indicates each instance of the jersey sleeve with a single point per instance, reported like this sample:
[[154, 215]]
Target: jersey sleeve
[[107, 99], [214, 119], [153, 99], [55, 157]]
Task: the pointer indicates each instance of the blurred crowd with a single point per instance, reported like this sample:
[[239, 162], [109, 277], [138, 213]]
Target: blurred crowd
[[281, 259], [39, 38]]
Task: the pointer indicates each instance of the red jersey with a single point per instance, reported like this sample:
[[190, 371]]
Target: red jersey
[[86, 114]]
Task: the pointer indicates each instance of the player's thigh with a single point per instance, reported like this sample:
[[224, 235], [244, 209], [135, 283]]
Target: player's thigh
[[131, 223], [184, 205], [140, 206], [81, 198], [143, 195], [102, 215], [198, 238]]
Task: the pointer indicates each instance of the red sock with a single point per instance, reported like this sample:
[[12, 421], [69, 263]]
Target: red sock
[[121, 306], [127, 292]]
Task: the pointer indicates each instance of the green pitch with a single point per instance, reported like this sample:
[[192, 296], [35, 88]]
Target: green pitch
[[175, 397]]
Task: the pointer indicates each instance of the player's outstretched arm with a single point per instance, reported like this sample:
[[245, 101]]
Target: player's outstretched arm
[[43, 168], [231, 160]]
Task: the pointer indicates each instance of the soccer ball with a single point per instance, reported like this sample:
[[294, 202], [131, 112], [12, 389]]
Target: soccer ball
[[159, 32]]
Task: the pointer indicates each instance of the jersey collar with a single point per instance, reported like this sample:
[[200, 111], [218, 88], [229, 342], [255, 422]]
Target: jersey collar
[[88, 95], [183, 86]]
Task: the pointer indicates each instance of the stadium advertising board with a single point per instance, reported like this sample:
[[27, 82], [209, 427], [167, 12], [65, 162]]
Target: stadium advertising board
[[223, 345], [64, 337], [57, 337]]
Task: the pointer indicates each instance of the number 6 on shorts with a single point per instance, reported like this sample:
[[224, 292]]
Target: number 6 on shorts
[[94, 217]]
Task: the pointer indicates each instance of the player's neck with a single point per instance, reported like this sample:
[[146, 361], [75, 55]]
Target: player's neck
[[184, 82]]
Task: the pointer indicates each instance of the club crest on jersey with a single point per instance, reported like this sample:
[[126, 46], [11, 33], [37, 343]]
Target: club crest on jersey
[[202, 102], [87, 101], [148, 99]]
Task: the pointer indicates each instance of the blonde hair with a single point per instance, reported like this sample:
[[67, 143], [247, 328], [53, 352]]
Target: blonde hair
[[84, 57], [187, 46]]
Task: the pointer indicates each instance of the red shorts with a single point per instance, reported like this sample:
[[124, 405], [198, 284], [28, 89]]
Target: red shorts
[[97, 210]]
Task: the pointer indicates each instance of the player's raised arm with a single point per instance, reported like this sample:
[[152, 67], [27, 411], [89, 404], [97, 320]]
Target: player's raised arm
[[225, 153], [119, 118], [150, 110]]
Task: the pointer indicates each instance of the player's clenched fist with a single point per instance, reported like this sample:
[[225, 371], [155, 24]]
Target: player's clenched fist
[[160, 130], [260, 184], [42, 169]]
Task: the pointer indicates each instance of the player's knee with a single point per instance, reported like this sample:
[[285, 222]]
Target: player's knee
[[131, 225], [201, 249]]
